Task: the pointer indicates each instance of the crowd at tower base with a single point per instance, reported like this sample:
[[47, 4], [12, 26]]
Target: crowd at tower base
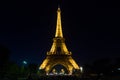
[[54, 72]]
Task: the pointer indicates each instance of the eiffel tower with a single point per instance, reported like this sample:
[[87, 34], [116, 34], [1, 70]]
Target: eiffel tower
[[59, 53]]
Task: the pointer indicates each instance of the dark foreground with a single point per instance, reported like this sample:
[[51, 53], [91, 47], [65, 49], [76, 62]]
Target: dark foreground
[[35, 77], [63, 78], [74, 78]]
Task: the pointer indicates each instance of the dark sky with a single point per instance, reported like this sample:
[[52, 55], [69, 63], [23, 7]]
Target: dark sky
[[28, 27]]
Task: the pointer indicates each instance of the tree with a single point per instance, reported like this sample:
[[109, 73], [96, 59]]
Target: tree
[[4, 55], [4, 60], [33, 68]]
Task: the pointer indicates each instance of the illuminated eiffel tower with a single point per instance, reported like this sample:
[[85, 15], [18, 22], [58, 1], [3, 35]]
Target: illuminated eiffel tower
[[59, 53]]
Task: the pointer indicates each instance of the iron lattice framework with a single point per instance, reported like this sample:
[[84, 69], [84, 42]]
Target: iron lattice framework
[[59, 53]]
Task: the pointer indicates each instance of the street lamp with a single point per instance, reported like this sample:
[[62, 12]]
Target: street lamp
[[119, 69], [81, 68], [25, 62]]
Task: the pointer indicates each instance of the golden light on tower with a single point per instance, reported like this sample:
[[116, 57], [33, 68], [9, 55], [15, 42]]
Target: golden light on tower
[[59, 53], [59, 35], [58, 25]]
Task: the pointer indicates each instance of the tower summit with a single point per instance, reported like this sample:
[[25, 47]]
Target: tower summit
[[59, 54], [59, 46], [58, 25]]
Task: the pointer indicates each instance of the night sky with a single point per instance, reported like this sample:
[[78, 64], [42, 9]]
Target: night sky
[[28, 27]]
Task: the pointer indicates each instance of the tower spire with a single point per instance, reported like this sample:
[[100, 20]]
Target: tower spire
[[58, 25]]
